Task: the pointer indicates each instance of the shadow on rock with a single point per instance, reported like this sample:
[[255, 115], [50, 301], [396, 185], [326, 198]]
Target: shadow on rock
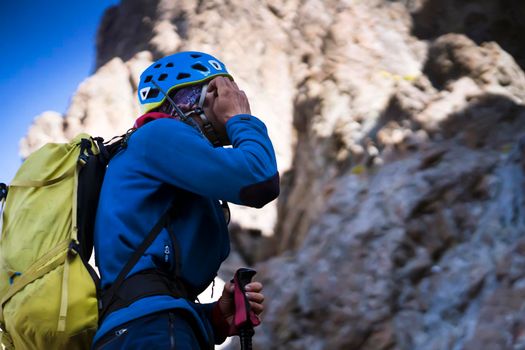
[[489, 121], [482, 21]]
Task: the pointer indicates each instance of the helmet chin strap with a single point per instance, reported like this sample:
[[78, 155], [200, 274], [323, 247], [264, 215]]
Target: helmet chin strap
[[207, 127]]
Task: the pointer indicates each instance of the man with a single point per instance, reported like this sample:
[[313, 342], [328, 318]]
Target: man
[[174, 159]]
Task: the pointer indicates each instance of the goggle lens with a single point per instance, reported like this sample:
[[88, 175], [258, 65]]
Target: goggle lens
[[188, 96]]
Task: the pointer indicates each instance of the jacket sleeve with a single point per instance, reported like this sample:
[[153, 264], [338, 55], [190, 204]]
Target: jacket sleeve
[[177, 154]]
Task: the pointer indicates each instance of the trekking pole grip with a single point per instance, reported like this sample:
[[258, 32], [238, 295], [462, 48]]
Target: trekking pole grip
[[244, 318], [244, 276]]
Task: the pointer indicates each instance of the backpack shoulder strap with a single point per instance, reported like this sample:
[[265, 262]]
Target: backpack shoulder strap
[[109, 296]]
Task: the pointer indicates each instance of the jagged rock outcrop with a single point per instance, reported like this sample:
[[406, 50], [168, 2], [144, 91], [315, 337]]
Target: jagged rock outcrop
[[417, 243], [354, 56], [400, 133]]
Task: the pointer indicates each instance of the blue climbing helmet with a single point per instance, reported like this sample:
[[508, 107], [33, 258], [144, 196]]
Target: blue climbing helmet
[[174, 72]]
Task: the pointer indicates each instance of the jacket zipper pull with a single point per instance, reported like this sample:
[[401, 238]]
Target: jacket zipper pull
[[166, 253], [120, 332]]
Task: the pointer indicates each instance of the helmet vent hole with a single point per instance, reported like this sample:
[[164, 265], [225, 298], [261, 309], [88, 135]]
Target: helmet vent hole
[[163, 77], [169, 65], [157, 65], [148, 78], [195, 55], [183, 76], [153, 93], [199, 67]]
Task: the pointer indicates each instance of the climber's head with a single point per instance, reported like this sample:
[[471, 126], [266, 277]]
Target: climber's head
[[181, 76]]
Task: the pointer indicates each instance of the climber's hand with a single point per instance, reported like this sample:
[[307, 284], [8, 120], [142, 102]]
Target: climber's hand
[[225, 100], [253, 292]]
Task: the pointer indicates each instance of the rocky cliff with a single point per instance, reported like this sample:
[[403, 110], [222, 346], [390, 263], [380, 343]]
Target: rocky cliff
[[399, 131]]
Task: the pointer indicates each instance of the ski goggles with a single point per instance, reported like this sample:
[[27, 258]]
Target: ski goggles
[[188, 96]]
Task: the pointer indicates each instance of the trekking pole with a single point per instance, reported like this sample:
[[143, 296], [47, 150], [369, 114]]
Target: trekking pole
[[244, 318]]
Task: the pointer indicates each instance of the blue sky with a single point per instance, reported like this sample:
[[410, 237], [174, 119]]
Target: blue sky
[[47, 49]]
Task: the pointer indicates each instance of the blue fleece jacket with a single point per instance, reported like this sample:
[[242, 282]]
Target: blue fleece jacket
[[139, 186]]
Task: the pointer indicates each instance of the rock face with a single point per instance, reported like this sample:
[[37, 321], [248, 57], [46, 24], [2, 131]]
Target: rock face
[[482, 21], [400, 133]]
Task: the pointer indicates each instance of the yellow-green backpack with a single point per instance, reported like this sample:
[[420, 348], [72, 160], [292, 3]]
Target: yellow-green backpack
[[48, 291]]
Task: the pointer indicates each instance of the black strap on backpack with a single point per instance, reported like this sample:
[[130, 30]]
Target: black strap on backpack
[[144, 283], [90, 178]]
